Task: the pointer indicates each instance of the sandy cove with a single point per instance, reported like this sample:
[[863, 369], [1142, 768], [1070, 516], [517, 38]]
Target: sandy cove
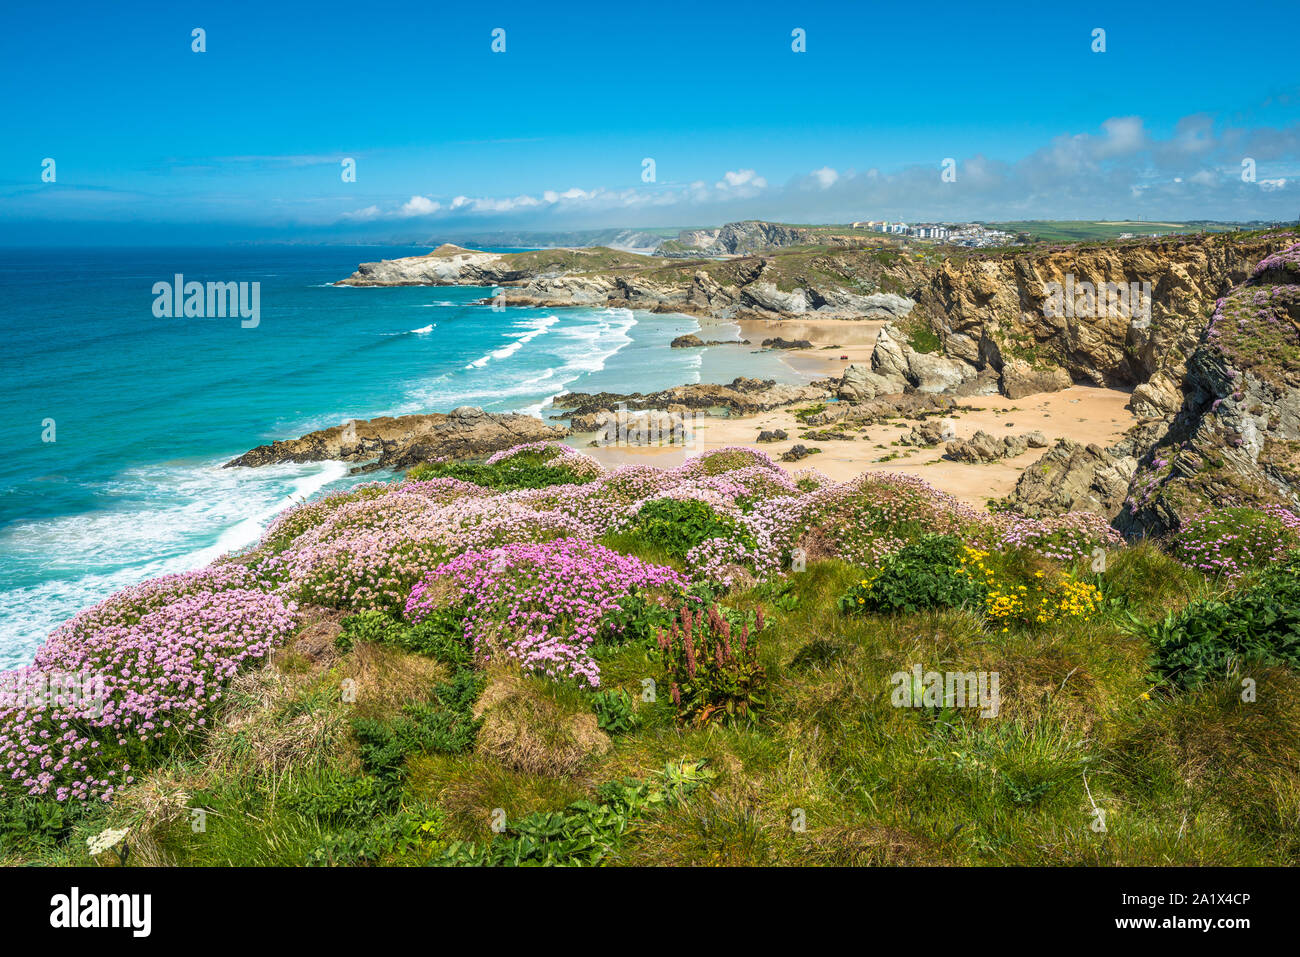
[[853, 342], [1082, 413]]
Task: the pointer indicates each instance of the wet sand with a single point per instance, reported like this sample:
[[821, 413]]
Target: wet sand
[[853, 342]]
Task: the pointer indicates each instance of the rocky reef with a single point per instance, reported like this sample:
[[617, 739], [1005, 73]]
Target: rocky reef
[[586, 412], [398, 442], [692, 341]]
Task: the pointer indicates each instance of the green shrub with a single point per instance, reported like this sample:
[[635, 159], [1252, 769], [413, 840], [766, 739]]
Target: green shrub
[[337, 799], [585, 832], [377, 626], [27, 823], [524, 470], [445, 723], [615, 711], [779, 592], [713, 677], [926, 574], [923, 339], [396, 834], [1259, 625], [678, 525], [376, 838], [440, 635], [635, 621]]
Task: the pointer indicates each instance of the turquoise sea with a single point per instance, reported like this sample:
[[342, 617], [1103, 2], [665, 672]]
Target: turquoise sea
[[143, 411]]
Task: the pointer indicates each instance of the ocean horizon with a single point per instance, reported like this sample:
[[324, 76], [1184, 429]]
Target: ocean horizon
[[118, 421]]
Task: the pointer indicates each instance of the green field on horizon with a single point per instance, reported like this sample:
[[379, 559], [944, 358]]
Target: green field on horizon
[[1069, 230]]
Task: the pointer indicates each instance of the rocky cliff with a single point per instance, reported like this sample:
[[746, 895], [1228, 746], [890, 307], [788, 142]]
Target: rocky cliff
[[1116, 315], [450, 265], [1233, 437], [745, 238], [1236, 437], [1205, 331]]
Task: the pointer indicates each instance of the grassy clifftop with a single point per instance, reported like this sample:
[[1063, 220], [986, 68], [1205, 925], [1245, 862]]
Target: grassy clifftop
[[533, 660]]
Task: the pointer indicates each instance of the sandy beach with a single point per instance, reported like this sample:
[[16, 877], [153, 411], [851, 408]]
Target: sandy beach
[[851, 341], [1082, 413]]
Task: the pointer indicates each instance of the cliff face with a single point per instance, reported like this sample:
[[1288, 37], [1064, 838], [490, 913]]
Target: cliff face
[[1054, 312], [745, 238], [1236, 439]]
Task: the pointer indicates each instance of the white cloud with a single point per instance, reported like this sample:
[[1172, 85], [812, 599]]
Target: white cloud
[[362, 215], [825, 176], [419, 206], [1125, 135], [741, 178]]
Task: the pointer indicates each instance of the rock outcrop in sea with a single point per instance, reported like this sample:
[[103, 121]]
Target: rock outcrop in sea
[[742, 396], [398, 442]]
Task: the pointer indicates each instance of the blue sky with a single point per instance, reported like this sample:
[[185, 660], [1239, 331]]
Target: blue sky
[[155, 142]]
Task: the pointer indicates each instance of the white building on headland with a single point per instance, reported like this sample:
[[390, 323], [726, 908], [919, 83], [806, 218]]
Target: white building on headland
[[958, 234]]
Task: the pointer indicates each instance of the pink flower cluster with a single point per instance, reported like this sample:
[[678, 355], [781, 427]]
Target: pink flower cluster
[[1066, 538], [1287, 259], [367, 554], [1233, 541], [539, 604], [158, 678], [875, 514], [553, 453], [725, 562]]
